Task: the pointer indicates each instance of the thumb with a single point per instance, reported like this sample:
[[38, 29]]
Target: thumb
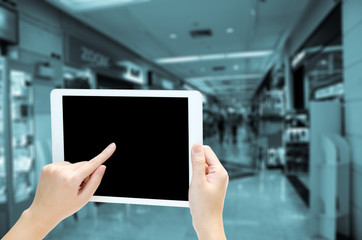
[[94, 181], [198, 161]]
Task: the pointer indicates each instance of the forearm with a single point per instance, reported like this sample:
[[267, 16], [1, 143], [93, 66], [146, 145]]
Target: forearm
[[28, 227]]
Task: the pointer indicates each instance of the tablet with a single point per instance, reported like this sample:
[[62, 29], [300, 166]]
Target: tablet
[[153, 130]]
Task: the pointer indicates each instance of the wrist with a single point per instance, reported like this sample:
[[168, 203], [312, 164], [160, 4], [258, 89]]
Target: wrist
[[42, 224], [210, 230]]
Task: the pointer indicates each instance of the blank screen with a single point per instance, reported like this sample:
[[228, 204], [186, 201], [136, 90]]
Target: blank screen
[[151, 134]]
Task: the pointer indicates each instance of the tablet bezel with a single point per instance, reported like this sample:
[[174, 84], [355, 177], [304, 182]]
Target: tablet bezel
[[195, 130]]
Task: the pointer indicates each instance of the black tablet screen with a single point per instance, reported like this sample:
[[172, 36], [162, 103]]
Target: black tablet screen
[[151, 134]]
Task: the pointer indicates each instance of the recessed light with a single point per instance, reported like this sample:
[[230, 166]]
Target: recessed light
[[173, 35], [229, 30], [236, 67], [89, 5]]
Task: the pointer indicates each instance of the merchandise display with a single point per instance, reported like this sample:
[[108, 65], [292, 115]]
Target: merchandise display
[[17, 149], [272, 104], [296, 143], [22, 133], [276, 157]]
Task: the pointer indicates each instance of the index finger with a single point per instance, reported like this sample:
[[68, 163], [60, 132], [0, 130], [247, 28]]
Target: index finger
[[88, 168]]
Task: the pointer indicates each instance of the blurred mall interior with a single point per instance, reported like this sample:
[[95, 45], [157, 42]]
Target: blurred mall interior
[[282, 98]]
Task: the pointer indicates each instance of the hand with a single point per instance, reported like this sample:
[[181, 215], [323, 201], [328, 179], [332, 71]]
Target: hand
[[63, 189], [207, 193]]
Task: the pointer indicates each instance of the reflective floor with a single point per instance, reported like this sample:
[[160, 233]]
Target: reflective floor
[[259, 205]]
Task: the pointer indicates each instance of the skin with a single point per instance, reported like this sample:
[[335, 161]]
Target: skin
[[207, 193], [64, 188]]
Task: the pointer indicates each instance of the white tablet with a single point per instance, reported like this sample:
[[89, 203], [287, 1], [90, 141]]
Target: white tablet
[[153, 130]]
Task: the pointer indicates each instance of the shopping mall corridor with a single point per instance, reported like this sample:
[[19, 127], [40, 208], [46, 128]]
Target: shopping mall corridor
[[260, 204], [276, 85]]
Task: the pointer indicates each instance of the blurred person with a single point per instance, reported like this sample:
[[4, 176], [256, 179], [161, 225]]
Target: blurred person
[[64, 188], [221, 128], [235, 121], [234, 130]]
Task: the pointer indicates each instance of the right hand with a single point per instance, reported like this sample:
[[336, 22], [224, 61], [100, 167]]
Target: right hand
[[207, 193], [64, 188]]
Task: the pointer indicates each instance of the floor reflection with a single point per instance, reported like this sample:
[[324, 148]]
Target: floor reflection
[[260, 204]]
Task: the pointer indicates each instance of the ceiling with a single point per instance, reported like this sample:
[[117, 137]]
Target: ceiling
[[161, 29]]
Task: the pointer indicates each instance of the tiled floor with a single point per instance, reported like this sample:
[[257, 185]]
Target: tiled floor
[[259, 206]]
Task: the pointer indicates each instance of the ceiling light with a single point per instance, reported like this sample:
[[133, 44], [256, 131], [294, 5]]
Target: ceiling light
[[298, 58], [249, 54], [86, 5], [226, 77], [173, 36], [211, 57], [208, 57], [229, 30], [178, 59]]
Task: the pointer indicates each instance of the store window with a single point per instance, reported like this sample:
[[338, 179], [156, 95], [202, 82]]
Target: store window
[[317, 71], [318, 64]]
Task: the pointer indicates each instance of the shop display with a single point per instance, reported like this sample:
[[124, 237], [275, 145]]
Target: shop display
[[77, 79], [22, 133], [276, 157], [17, 150], [296, 139], [297, 135], [272, 104]]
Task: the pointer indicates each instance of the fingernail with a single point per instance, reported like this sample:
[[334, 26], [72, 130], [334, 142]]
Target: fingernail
[[111, 146], [197, 149], [102, 169]]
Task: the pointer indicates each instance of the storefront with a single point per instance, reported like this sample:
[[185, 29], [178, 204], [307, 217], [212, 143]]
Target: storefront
[[88, 66]]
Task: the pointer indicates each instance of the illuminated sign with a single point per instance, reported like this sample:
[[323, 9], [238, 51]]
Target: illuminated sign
[[330, 91], [131, 72]]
